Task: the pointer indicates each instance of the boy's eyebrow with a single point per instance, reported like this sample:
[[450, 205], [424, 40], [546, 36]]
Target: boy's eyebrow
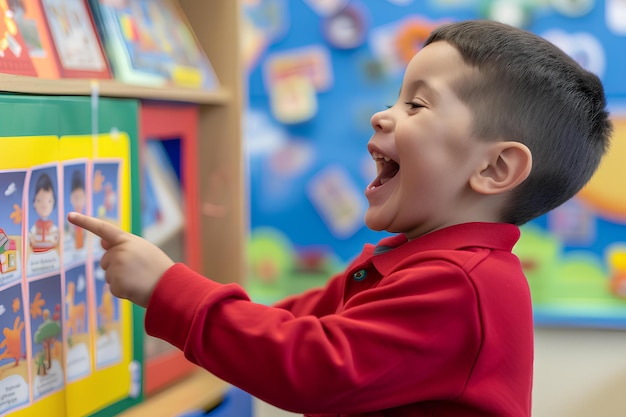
[[418, 85]]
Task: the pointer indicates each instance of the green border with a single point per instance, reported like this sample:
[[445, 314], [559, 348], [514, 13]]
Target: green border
[[30, 115]]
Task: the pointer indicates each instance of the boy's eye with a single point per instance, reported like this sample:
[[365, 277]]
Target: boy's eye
[[413, 105]]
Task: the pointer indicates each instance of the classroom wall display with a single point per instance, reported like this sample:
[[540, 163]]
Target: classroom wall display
[[65, 336], [308, 162]]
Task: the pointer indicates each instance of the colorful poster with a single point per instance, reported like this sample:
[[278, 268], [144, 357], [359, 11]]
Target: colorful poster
[[63, 336]]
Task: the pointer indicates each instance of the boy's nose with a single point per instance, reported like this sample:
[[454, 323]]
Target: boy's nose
[[381, 121]]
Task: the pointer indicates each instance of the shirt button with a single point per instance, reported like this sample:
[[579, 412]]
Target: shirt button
[[359, 275]]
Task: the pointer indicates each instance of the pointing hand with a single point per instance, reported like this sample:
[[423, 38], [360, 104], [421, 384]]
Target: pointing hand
[[132, 265]]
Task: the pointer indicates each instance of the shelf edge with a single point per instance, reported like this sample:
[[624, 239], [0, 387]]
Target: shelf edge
[[109, 88]]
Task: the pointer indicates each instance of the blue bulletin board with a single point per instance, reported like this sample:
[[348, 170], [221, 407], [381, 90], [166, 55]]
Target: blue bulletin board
[[317, 71]]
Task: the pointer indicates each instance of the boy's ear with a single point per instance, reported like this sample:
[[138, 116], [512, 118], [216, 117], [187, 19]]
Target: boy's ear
[[507, 165]]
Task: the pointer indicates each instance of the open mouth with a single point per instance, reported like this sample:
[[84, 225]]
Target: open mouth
[[386, 167]]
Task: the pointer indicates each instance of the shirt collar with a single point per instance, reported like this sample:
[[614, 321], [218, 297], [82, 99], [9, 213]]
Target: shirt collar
[[499, 236]]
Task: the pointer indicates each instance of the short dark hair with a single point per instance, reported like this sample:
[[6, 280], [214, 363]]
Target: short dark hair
[[528, 90], [77, 182], [44, 183]]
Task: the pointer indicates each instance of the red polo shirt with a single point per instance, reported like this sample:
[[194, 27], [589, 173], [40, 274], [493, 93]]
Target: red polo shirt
[[437, 326]]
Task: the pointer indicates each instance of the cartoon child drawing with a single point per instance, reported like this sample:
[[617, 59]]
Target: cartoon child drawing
[[78, 198], [44, 234]]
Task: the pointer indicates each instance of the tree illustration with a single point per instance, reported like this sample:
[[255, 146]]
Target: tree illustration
[[46, 335], [40, 361]]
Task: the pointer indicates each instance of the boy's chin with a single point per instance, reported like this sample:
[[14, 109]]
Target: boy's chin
[[373, 223]]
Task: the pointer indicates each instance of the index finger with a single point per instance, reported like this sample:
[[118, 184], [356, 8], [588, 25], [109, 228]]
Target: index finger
[[106, 231]]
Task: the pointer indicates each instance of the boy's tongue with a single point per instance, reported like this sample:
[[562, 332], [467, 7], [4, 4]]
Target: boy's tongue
[[389, 170]]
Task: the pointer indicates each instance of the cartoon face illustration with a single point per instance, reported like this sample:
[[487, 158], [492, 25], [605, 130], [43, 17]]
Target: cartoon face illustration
[[44, 234], [44, 203], [78, 198], [44, 199]]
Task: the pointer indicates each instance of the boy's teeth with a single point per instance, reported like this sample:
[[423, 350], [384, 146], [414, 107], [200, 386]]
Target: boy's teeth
[[377, 155]]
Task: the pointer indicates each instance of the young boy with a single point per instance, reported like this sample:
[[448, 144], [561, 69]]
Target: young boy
[[493, 127]]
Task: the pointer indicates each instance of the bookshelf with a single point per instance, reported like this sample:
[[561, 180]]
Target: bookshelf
[[218, 194], [111, 88]]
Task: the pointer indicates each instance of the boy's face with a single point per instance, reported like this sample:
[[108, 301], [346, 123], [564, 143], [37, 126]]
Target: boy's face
[[44, 203], [427, 135]]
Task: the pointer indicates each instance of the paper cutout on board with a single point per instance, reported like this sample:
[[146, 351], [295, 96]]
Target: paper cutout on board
[[400, 2], [605, 191], [293, 99], [326, 7], [262, 135], [269, 16], [311, 63], [616, 16], [573, 8], [512, 13], [583, 47], [292, 159], [282, 177], [397, 42], [338, 201], [253, 42], [293, 79], [347, 28], [262, 23]]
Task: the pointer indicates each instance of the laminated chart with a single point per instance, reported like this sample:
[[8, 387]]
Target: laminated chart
[[63, 335]]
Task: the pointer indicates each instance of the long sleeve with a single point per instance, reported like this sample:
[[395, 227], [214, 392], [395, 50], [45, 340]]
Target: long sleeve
[[379, 342], [440, 325]]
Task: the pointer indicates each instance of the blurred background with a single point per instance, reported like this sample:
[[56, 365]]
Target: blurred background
[[316, 70]]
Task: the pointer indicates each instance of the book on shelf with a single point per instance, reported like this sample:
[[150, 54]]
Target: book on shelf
[[150, 42], [79, 51], [162, 212], [14, 51], [50, 39]]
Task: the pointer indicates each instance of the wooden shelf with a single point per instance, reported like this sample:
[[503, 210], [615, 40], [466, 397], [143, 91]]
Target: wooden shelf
[[200, 391], [218, 158], [110, 88]]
